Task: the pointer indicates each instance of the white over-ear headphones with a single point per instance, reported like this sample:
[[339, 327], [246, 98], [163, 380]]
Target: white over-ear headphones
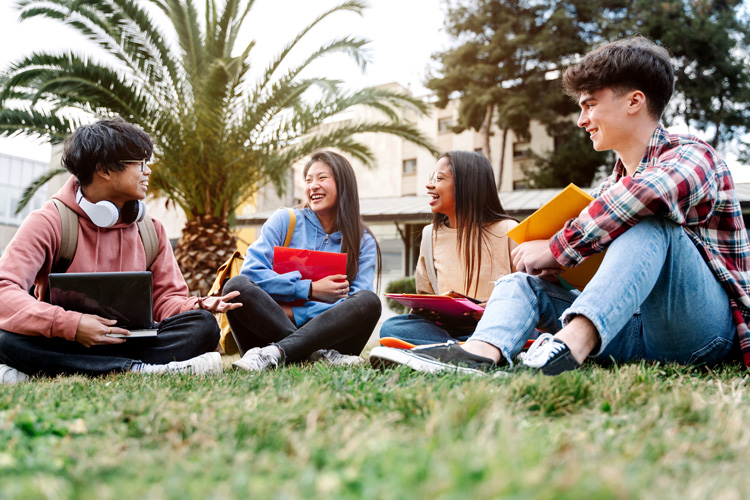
[[106, 214]]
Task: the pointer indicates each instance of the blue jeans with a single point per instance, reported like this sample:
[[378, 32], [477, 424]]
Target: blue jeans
[[653, 298], [420, 331]]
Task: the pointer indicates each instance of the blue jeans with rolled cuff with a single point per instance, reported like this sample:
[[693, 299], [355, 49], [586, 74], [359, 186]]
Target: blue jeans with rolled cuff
[[653, 298], [181, 337]]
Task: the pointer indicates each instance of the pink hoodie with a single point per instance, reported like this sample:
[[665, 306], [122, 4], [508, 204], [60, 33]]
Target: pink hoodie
[[29, 257]]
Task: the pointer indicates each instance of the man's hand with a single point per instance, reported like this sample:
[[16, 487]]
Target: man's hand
[[93, 330], [330, 289], [535, 258], [218, 305]]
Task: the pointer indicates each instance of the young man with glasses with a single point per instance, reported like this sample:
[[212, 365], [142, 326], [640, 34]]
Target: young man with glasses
[[109, 163]]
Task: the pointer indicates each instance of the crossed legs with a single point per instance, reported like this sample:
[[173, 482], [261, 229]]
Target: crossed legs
[[653, 298]]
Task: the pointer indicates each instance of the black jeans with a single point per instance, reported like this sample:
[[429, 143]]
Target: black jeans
[[260, 321], [180, 337]]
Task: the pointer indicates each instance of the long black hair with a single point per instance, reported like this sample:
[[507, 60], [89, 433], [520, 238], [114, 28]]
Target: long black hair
[[477, 206], [348, 218]]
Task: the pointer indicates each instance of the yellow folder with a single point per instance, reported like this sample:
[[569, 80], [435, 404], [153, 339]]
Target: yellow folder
[[549, 219]]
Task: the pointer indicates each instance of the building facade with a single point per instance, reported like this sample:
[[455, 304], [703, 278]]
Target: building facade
[[392, 189], [15, 175]]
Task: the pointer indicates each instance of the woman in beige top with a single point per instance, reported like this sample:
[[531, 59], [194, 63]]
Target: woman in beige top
[[464, 250]]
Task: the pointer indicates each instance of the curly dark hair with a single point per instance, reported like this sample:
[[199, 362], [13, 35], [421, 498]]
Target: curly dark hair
[[634, 63], [101, 146]]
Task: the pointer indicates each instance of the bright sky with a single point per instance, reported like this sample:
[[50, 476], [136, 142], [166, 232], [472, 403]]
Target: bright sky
[[403, 33]]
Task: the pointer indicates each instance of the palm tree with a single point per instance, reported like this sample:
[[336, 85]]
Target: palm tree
[[219, 133]]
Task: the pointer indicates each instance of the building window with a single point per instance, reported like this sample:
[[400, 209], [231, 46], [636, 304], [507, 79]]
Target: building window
[[409, 166], [520, 150], [15, 175], [445, 124]]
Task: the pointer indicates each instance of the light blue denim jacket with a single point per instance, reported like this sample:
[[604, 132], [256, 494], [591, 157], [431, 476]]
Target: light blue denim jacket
[[308, 234]]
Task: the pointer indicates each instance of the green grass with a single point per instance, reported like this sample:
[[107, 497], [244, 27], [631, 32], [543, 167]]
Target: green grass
[[638, 431]]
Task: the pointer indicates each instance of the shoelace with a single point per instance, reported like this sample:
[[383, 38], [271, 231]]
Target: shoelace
[[261, 361], [332, 355], [542, 350], [336, 358]]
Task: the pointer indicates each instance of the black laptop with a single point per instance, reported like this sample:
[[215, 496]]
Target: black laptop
[[122, 296]]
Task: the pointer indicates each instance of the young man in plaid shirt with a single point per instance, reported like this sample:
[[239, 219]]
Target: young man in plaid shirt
[[675, 281]]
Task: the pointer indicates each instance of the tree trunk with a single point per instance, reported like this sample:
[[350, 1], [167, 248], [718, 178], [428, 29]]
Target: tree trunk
[[486, 132], [502, 158], [206, 243]]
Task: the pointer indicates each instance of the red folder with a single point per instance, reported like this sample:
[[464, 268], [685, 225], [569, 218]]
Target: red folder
[[311, 264], [453, 307]]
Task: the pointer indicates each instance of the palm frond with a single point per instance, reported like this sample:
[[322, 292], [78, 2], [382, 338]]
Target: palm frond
[[68, 79], [37, 183], [136, 44], [14, 122], [184, 17], [237, 24], [217, 136], [355, 6]]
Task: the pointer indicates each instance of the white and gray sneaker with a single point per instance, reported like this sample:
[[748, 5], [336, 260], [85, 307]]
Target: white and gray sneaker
[[9, 375], [549, 355], [335, 358], [205, 364], [257, 360]]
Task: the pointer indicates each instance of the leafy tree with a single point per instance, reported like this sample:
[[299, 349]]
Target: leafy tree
[[219, 136], [709, 41], [508, 60], [508, 51], [573, 159]]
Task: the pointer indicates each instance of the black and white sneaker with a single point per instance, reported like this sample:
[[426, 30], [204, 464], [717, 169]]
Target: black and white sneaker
[[549, 355], [446, 358]]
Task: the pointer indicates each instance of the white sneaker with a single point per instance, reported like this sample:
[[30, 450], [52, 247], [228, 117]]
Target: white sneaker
[[255, 360], [335, 358], [9, 375], [205, 364]]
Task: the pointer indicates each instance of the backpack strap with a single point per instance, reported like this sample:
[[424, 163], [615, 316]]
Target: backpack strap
[[290, 231], [69, 237], [149, 239], [429, 259]]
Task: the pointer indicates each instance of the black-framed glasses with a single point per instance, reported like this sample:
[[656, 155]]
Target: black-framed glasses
[[142, 163]]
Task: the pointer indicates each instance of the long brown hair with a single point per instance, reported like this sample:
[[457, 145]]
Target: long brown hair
[[477, 206], [348, 218]]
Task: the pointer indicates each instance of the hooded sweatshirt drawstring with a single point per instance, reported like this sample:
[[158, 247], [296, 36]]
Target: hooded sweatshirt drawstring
[[96, 252]]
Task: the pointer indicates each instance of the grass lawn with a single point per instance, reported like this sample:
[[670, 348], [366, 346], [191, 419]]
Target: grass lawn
[[638, 431]]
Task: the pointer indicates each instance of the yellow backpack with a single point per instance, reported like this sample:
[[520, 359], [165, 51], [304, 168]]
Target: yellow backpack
[[230, 269]]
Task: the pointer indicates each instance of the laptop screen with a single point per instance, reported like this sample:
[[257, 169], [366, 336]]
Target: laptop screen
[[123, 296]]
